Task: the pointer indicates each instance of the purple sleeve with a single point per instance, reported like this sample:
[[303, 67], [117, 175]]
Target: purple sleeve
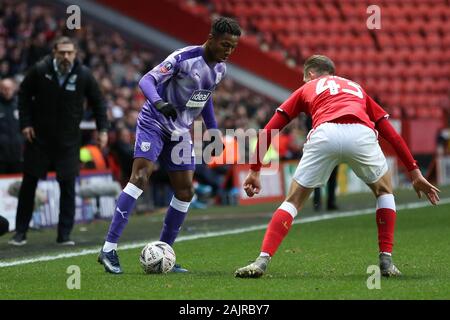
[[148, 87], [208, 115], [158, 75]]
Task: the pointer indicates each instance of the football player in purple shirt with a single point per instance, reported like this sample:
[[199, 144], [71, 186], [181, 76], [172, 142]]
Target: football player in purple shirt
[[177, 91]]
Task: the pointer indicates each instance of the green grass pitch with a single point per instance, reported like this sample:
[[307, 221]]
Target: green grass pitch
[[320, 260]]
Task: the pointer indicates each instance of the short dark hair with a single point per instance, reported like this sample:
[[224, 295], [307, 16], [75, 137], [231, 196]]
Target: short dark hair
[[319, 64], [224, 25], [64, 40]]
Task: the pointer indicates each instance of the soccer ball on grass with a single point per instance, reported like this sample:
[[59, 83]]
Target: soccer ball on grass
[[157, 257]]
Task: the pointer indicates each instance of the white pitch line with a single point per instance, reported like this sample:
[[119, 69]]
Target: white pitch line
[[134, 245]]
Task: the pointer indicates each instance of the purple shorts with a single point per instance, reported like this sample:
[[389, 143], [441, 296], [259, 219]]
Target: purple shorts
[[153, 144]]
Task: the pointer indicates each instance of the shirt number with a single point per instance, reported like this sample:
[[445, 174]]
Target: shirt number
[[325, 84]]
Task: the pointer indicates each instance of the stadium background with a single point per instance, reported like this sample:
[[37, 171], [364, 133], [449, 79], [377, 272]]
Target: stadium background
[[404, 66]]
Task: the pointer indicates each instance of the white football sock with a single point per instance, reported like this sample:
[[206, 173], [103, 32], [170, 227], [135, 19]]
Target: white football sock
[[109, 246]]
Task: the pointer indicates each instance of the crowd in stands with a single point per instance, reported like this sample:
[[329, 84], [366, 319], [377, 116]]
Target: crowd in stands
[[26, 33]]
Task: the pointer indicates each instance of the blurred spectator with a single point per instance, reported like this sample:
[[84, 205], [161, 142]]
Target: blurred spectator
[[10, 139], [123, 150], [207, 176], [443, 141], [91, 157], [4, 225], [160, 183], [290, 144]]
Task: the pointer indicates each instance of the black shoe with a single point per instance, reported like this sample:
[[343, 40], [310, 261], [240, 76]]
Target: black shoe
[[332, 207], [317, 206], [65, 242], [19, 239], [110, 260], [387, 267]]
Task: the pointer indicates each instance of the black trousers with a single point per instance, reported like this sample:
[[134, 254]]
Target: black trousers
[[331, 190], [4, 225], [66, 205], [8, 167]]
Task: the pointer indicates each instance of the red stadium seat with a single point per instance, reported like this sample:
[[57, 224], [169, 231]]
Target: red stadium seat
[[413, 43]]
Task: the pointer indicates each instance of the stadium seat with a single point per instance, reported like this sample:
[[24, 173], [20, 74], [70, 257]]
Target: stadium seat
[[414, 40]]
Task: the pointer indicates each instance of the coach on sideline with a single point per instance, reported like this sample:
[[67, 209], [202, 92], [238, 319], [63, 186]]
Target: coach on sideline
[[51, 99]]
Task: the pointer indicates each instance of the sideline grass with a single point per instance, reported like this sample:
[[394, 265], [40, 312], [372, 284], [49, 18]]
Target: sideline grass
[[321, 260]]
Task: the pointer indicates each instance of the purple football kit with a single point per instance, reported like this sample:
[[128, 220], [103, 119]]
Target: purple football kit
[[185, 80]]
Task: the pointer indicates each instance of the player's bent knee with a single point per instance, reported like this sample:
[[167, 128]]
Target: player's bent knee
[[139, 179], [185, 194], [382, 187], [381, 190], [298, 195]]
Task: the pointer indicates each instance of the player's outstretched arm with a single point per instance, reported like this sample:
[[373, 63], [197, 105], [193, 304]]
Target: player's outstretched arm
[[252, 184], [420, 184]]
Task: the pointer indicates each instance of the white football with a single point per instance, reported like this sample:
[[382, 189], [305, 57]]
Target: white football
[[157, 257]]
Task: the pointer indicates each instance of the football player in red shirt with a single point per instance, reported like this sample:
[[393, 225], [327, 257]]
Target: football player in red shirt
[[346, 124]]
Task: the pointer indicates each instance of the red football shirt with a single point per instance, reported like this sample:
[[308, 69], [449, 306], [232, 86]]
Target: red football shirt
[[331, 97]]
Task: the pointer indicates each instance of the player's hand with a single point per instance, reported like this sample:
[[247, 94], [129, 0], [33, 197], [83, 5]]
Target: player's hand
[[102, 139], [421, 185], [167, 109], [252, 184], [28, 133]]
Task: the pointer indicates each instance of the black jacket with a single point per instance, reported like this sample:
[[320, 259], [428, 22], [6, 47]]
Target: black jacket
[[10, 137], [55, 113]]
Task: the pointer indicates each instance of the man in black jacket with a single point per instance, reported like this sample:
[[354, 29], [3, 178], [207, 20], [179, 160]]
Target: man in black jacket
[[10, 141], [51, 99]]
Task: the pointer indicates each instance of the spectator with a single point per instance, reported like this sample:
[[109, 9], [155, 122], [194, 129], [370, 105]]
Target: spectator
[[124, 152], [10, 140], [51, 101], [443, 141]]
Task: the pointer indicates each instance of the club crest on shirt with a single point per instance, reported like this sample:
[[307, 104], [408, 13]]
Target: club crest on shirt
[[145, 146], [167, 66], [198, 99]]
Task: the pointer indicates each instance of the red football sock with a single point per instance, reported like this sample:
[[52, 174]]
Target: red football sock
[[386, 225], [277, 229]]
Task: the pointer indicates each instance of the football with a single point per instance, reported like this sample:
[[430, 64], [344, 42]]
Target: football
[[157, 257]]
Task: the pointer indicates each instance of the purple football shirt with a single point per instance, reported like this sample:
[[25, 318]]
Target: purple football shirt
[[186, 81]]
